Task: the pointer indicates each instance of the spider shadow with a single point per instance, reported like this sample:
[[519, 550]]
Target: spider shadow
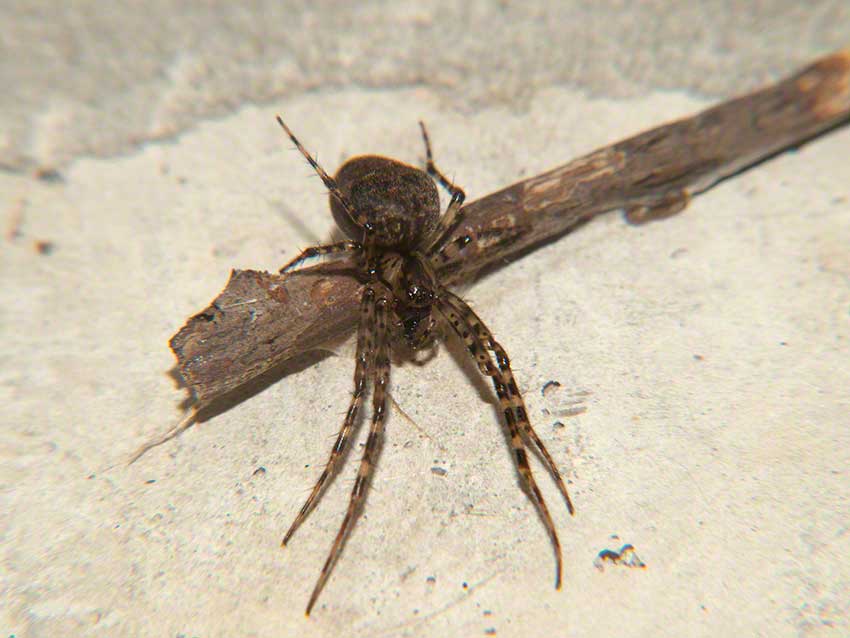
[[480, 382]]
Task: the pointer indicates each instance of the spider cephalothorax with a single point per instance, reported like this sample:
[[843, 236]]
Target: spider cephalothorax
[[390, 212]]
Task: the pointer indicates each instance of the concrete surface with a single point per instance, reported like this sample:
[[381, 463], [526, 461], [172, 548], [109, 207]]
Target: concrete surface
[[702, 414]]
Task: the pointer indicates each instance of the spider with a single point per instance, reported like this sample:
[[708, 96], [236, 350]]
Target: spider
[[390, 212]]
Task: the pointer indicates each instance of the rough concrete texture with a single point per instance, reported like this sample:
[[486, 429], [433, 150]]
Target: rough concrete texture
[[702, 413]]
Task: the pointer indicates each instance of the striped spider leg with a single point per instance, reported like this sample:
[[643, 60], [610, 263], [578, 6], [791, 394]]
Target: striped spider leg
[[480, 344], [442, 252], [380, 380]]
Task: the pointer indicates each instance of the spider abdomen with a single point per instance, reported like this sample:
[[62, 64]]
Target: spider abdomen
[[399, 201]]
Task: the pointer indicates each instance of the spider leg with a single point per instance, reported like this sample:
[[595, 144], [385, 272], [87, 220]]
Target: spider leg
[[380, 378], [485, 338], [450, 252], [454, 215], [450, 255], [329, 181], [365, 360], [449, 221], [432, 169], [466, 326], [346, 246]]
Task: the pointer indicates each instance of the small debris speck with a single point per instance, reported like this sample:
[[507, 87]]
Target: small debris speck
[[626, 557], [150, 481], [49, 175], [259, 471], [431, 580], [439, 471], [43, 247], [548, 386]]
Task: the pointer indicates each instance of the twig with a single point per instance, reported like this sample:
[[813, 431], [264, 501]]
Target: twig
[[651, 175]]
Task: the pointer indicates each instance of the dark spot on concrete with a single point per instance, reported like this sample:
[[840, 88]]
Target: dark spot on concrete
[[43, 247], [51, 175]]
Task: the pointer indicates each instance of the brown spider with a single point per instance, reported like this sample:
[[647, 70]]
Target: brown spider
[[391, 213]]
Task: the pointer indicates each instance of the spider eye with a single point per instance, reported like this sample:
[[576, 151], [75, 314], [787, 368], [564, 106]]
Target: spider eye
[[418, 295]]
